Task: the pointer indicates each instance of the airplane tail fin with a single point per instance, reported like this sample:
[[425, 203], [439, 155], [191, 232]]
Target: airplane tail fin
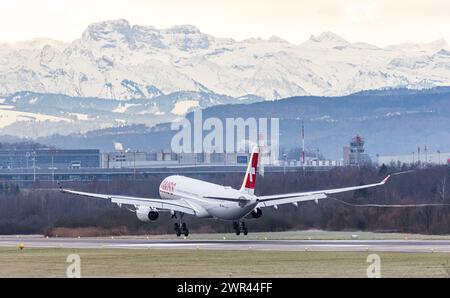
[[248, 185]]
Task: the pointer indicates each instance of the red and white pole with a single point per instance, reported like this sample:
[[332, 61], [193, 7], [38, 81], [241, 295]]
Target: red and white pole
[[303, 144]]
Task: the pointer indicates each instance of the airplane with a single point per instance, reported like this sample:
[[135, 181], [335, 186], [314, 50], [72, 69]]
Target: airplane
[[182, 195]]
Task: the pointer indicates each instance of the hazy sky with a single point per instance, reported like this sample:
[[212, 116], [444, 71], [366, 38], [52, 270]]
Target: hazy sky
[[380, 22]]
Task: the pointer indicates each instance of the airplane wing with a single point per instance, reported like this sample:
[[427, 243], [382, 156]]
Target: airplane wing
[[173, 205], [275, 200]]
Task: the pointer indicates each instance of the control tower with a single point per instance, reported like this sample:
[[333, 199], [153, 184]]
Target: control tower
[[357, 155]]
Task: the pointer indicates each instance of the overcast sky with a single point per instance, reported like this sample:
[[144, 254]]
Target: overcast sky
[[379, 22]]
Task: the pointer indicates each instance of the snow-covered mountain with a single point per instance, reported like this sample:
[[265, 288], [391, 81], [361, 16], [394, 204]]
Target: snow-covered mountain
[[33, 115], [115, 60]]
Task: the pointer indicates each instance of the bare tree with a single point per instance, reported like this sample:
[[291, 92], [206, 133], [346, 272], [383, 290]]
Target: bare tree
[[442, 188]]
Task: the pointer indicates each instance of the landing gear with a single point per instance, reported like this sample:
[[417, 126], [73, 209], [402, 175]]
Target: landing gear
[[244, 228], [240, 227], [236, 228], [181, 229], [177, 229], [184, 229]]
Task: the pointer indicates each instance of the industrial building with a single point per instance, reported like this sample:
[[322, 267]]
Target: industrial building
[[49, 158], [92, 158], [437, 157], [139, 159]]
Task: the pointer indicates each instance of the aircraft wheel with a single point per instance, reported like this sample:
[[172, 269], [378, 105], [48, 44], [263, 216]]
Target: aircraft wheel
[[177, 229], [236, 228], [245, 232], [184, 229]]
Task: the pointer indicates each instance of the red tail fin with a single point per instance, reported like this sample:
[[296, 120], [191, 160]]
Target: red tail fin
[[248, 185]]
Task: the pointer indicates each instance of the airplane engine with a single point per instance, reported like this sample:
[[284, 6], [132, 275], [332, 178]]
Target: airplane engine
[[256, 213], [146, 214]]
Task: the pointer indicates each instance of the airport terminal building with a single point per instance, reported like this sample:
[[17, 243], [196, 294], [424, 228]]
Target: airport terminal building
[[139, 159], [49, 158]]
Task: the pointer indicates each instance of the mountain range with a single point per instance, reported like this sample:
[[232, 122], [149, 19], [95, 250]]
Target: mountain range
[[393, 121], [115, 60], [119, 76]]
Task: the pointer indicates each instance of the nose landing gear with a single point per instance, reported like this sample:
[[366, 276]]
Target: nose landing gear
[[240, 227]]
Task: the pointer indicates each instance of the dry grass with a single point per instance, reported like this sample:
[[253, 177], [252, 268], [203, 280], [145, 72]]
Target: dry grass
[[288, 235], [36, 262], [87, 232]]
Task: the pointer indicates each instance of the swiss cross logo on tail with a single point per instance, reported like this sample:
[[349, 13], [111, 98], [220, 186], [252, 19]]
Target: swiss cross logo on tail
[[250, 176]]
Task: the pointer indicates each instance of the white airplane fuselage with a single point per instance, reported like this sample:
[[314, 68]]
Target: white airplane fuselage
[[204, 197]]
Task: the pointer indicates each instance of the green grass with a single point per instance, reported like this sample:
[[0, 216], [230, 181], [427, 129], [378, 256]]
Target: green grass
[[37, 262]]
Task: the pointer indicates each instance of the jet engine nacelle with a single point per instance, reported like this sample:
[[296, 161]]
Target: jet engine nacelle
[[256, 213], [146, 214]]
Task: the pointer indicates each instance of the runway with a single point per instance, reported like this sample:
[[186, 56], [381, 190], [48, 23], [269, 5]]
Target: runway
[[422, 246]]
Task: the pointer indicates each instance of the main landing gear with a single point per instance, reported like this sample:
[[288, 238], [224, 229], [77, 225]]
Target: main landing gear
[[181, 229], [240, 227]]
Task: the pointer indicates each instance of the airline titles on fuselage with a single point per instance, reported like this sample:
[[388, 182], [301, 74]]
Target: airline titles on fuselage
[[168, 186]]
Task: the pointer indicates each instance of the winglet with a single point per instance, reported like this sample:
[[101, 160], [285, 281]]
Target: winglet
[[385, 179], [394, 174]]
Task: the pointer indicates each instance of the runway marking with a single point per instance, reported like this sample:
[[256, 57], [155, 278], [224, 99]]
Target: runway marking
[[422, 246], [162, 244], [334, 245]]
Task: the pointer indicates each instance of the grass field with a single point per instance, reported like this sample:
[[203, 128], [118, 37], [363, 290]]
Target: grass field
[[36, 262], [304, 235], [289, 235]]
